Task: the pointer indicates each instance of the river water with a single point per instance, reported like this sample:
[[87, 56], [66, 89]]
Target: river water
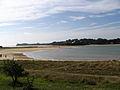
[[81, 53]]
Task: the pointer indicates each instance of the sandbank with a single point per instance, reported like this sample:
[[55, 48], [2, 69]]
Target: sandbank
[[17, 52]]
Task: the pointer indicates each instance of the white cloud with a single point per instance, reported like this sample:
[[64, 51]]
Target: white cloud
[[27, 27], [94, 27], [102, 15], [77, 18], [6, 24], [27, 33], [33, 9], [62, 21], [105, 25], [93, 24], [74, 18], [103, 31]]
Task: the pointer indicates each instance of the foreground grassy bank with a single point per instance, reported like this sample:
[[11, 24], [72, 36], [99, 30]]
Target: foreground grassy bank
[[69, 75]]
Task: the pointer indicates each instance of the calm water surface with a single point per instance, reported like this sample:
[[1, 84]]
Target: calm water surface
[[82, 53]]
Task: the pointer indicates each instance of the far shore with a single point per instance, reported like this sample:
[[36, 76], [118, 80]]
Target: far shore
[[104, 45]]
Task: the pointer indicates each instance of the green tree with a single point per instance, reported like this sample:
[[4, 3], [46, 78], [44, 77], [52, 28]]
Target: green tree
[[14, 70]]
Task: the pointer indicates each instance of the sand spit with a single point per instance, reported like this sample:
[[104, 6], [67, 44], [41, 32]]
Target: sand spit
[[16, 52]]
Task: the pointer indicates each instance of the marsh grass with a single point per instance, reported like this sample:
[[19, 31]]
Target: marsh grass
[[69, 75]]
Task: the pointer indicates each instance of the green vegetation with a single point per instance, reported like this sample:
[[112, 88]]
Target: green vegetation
[[66, 75], [87, 41], [14, 70], [79, 42]]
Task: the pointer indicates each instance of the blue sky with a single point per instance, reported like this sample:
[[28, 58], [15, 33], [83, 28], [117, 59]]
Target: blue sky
[[42, 21]]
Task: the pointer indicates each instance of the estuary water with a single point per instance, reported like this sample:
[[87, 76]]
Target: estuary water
[[81, 53]]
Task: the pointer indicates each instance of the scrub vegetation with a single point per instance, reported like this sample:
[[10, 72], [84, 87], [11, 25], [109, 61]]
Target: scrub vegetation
[[66, 75]]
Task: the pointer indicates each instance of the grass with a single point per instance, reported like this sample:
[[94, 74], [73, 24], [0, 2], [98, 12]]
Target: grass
[[69, 75]]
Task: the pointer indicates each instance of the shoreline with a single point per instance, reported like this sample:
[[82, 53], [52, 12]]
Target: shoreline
[[104, 45], [17, 53]]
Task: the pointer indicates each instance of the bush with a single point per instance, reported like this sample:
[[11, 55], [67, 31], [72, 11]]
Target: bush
[[14, 70], [29, 85]]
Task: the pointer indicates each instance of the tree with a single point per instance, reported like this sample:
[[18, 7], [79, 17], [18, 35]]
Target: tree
[[14, 70]]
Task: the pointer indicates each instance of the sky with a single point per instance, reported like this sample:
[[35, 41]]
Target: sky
[[42, 21]]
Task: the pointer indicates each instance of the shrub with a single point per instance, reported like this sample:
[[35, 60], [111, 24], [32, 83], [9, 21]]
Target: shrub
[[14, 70], [29, 85]]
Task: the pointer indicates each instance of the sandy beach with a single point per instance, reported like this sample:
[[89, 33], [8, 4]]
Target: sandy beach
[[17, 52]]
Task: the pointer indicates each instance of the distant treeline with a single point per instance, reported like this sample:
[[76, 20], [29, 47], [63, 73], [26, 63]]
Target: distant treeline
[[80, 42], [87, 41], [23, 44]]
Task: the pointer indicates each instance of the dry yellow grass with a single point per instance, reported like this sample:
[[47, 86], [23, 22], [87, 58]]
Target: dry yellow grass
[[88, 71]]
